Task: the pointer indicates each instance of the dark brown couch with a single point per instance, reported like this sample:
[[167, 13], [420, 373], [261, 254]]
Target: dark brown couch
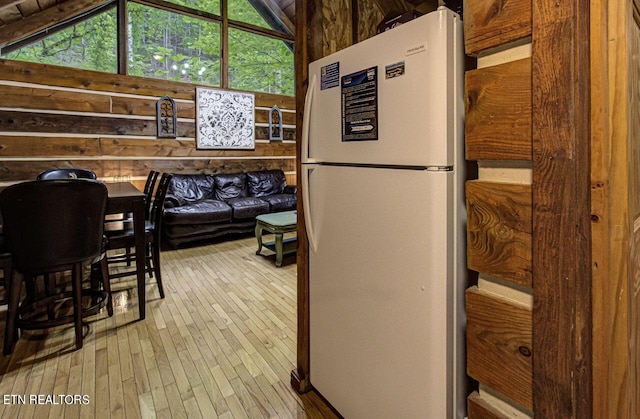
[[199, 207]]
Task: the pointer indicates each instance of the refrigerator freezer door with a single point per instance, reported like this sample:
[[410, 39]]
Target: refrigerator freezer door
[[407, 107], [381, 283]]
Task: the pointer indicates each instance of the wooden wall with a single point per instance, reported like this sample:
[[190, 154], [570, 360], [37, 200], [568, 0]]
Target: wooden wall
[[498, 136], [554, 218], [61, 117], [615, 37]]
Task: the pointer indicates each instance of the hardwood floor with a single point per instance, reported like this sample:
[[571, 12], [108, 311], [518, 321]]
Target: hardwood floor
[[221, 344]]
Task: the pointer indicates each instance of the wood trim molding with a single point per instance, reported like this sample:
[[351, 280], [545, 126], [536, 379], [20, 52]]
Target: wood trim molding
[[562, 365], [300, 375]]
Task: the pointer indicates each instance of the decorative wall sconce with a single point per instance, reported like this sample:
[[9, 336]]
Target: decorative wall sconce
[[275, 124], [167, 117]]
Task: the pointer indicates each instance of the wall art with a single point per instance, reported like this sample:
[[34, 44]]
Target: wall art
[[225, 119], [275, 124], [166, 117]]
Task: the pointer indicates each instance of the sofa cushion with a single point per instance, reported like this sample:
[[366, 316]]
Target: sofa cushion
[[266, 182], [244, 208], [189, 189], [280, 202], [207, 211], [229, 186]]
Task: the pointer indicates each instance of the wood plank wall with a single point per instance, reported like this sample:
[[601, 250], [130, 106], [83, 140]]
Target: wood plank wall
[[499, 208], [61, 117], [634, 211]]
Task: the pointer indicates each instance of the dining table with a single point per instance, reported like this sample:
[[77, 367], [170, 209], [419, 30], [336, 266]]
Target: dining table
[[124, 197]]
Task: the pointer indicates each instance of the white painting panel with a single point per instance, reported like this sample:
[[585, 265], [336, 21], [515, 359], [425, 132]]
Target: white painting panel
[[225, 119]]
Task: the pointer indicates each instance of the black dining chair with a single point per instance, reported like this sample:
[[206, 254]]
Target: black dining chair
[[149, 188], [5, 263], [70, 173], [53, 226], [125, 239]]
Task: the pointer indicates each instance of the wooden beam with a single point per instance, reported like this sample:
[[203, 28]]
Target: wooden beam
[[39, 21], [562, 364], [4, 4], [309, 29], [123, 37]]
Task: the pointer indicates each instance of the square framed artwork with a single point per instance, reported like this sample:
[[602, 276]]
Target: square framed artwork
[[224, 119]]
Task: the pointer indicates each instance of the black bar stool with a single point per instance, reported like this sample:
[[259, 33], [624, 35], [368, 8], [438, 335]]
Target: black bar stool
[[53, 226]]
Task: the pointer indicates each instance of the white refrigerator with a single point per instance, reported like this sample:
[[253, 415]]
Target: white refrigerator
[[382, 184]]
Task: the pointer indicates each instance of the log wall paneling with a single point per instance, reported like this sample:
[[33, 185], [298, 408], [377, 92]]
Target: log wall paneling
[[478, 408], [498, 112], [58, 117], [42, 98], [94, 81], [109, 168], [498, 132], [499, 230], [561, 217], [12, 121], [492, 23], [499, 345]]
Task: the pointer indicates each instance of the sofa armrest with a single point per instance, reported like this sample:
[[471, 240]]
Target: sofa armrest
[[292, 189], [172, 201]]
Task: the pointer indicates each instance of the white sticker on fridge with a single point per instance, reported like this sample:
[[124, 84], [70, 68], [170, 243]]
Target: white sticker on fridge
[[416, 49]]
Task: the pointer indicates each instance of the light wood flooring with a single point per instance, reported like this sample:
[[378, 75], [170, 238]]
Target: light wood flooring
[[221, 344]]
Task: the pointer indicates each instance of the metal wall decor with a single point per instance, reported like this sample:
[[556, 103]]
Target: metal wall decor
[[275, 124], [166, 115], [225, 119]]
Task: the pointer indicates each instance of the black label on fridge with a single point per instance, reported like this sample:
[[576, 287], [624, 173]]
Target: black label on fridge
[[360, 105]]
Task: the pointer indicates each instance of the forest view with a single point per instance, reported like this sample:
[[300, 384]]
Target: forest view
[[172, 46]]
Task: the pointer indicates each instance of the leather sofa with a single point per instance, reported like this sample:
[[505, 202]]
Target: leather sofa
[[201, 206]]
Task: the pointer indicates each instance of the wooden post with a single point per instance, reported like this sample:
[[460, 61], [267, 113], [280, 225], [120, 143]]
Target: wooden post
[[562, 368]]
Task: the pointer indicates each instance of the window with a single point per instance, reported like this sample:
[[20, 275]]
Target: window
[[259, 64], [179, 40], [89, 45], [243, 11], [172, 46]]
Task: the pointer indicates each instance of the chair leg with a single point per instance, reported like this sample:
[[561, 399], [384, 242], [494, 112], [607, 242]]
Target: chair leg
[[76, 287], [106, 283], [148, 258], [128, 255], [155, 251], [13, 289], [50, 289]]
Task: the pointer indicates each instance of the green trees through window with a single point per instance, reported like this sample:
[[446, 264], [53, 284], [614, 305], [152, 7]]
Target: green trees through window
[[174, 45], [88, 45]]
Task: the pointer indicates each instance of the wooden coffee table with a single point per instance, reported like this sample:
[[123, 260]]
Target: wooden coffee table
[[277, 223]]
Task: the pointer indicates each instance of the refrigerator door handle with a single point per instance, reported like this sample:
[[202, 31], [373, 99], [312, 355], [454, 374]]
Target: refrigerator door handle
[[308, 100], [307, 207]]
